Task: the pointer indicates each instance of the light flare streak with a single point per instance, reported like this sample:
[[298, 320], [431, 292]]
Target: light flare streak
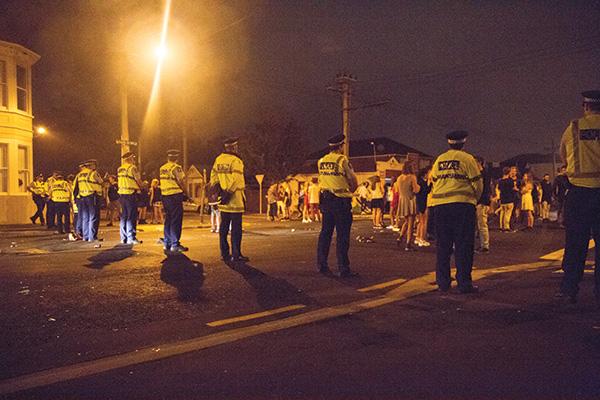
[[156, 84]]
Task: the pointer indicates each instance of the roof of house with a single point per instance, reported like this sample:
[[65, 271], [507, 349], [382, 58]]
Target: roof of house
[[531, 158], [381, 145]]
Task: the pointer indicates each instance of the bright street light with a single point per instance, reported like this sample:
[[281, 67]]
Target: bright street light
[[41, 130], [161, 51]]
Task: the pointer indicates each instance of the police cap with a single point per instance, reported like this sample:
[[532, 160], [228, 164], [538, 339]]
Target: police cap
[[457, 137], [173, 153], [231, 141], [591, 96], [127, 155], [336, 140], [90, 161]]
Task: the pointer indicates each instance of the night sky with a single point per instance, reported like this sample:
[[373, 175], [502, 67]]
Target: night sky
[[510, 73]]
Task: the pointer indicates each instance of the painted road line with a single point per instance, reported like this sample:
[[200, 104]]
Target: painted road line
[[409, 289], [255, 316], [382, 285], [558, 255]]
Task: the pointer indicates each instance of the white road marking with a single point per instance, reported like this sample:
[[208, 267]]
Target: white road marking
[[255, 316], [558, 255], [382, 285], [409, 289]]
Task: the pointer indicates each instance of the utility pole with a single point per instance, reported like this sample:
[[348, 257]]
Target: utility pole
[[552, 150], [344, 81]]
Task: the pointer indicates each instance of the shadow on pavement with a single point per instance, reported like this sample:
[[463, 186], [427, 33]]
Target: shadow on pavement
[[186, 275], [270, 292], [109, 256]]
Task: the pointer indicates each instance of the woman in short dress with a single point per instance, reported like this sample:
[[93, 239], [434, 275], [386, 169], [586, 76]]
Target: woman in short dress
[[407, 203], [156, 201], [425, 187], [527, 200]]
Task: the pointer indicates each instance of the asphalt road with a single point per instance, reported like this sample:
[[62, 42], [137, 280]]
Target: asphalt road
[[116, 321]]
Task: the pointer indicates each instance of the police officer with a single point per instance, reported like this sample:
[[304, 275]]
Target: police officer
[[457, 185], [60, 193], [37, 194], [580, 153], [338, 183], [129, 182], [89, 183], [78, 232], [228, 174], [172, 187], [50, 212]]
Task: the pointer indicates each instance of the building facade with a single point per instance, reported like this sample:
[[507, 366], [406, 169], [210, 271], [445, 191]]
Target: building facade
[[16, 133]]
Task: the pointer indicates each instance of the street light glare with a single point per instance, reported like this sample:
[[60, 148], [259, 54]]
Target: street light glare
[[41, 130], [161, 51]]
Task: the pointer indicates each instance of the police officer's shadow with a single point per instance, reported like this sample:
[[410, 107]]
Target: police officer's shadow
[[186, 275], [109, 256], [270, 292]]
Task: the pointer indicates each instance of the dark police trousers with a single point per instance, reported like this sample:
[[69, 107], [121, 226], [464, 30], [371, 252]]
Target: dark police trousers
[[50, 215], [173, 205], [582, 221], [90, 216], [455, 226], [129, 216], [77, 218], [63, 216], [40, 204], [235, 219], [336, 214]]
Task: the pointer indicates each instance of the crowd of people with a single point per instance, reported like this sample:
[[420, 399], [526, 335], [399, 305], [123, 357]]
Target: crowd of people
[[457, 196]]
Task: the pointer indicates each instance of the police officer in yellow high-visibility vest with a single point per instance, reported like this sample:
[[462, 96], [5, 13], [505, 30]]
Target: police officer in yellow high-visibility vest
[[37, 189], [60, 193], [580, 152], [338, 183], [89, 184], [50, 213], [129, 182], [173, 190], [457, 186], [228, 173]]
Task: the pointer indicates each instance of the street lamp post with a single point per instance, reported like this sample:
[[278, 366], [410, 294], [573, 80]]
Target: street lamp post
[[374, 155]]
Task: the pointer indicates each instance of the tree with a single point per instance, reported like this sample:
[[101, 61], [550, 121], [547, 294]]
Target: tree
[[276, 147]]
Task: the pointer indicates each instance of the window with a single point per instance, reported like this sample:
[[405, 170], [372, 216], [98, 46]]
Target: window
[[3, 85], [3, 167], [22, 89], [23, 168]]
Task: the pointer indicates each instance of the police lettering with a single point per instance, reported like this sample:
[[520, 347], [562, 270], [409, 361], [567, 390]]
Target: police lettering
[[223, 168], [589, 134], [446, 165], [331, 166]]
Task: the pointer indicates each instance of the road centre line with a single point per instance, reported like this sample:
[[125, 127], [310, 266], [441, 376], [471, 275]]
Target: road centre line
[[383, 285], [255, 316], [409, 289]]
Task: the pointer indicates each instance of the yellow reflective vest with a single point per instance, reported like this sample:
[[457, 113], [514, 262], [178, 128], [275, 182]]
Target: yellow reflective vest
[[126, 179], [456, 179], [61, 191], [581, 141], [48, 184], [228, 172], [37, 188], [87, 183], [332, 176], [168, 179]]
